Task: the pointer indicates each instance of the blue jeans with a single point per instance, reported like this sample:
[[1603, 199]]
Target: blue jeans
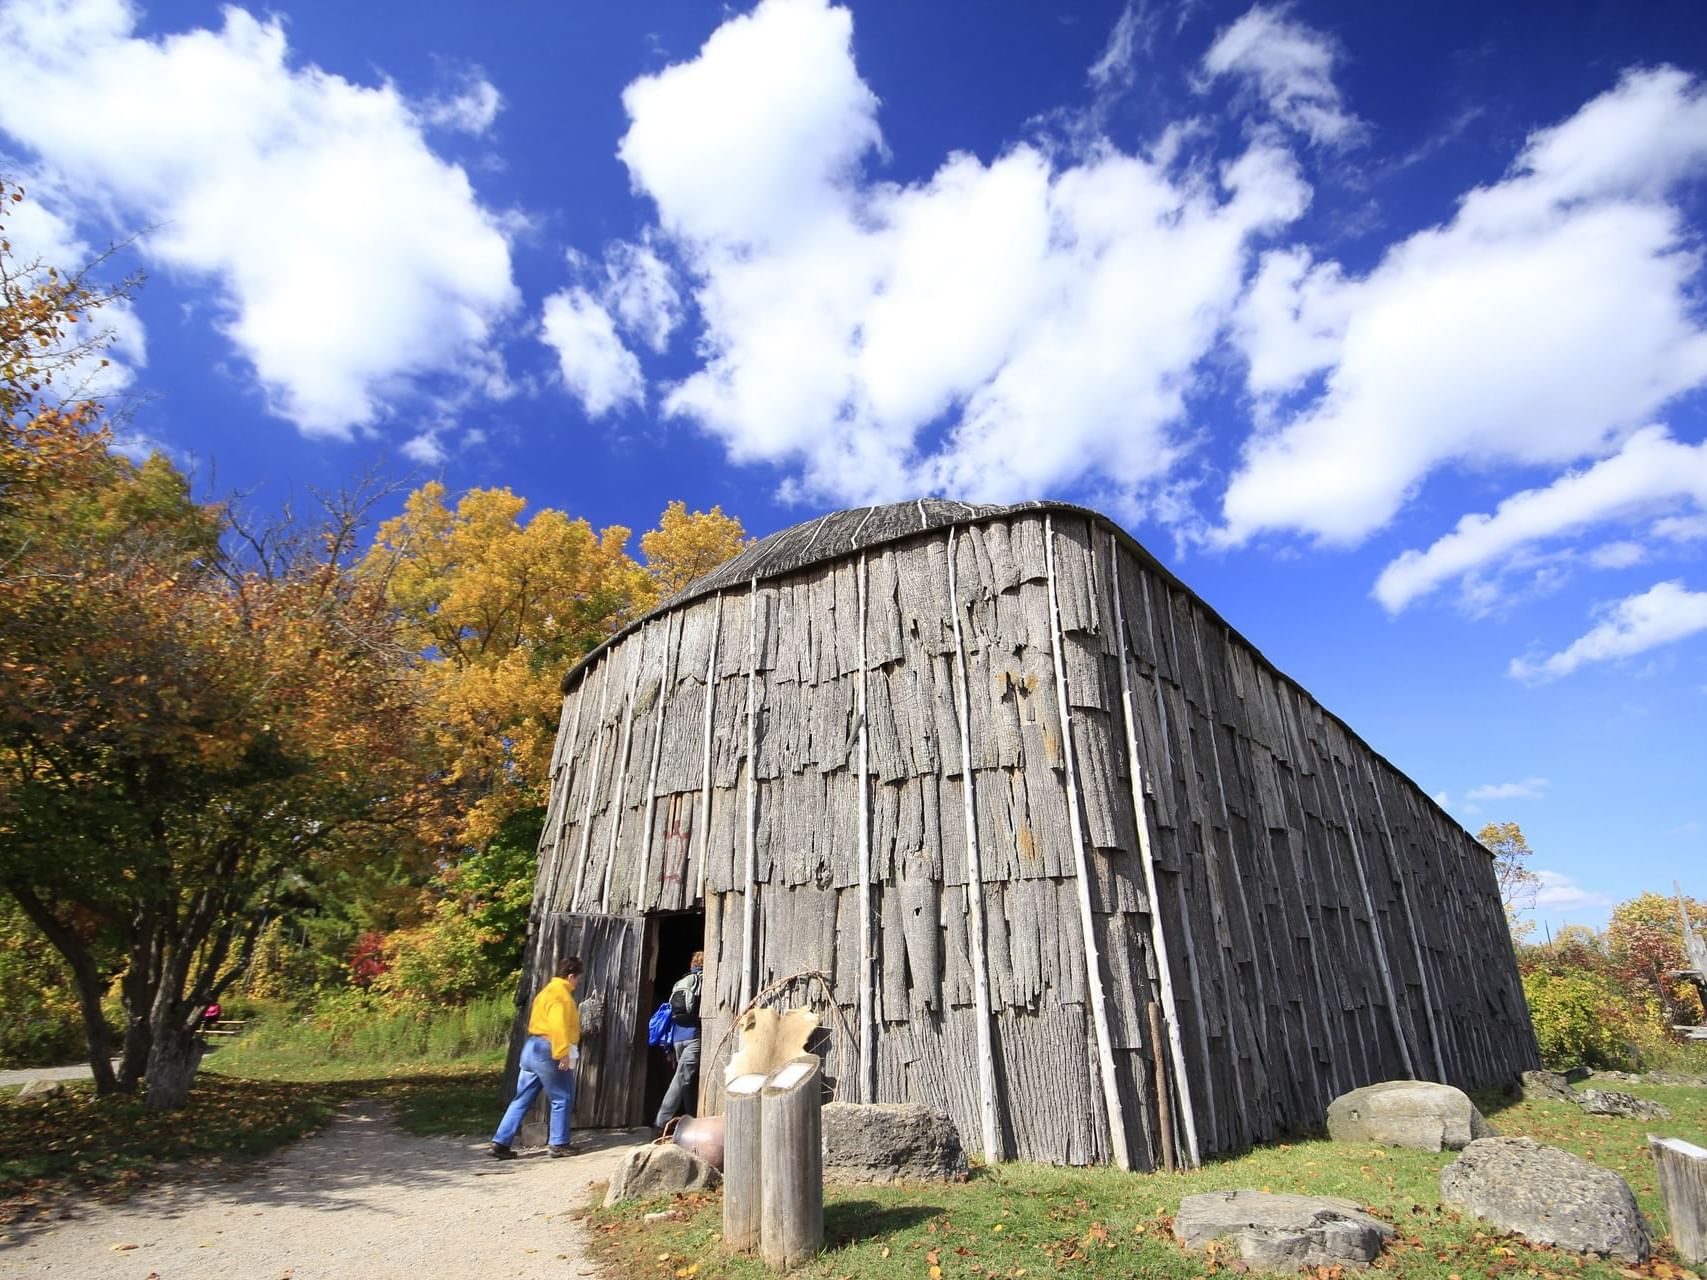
[[539, 1071]]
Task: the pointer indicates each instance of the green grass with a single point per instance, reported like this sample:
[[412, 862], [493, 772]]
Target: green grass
[[1033, 1220]]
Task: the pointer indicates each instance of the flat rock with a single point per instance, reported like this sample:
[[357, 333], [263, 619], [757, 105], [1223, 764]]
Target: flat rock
[[890, 1142], [1417, 1114], [1545, 1086], [1547, 1195], [42, 1089], [654, 1171], [1282, 1232], [1609, 1102]]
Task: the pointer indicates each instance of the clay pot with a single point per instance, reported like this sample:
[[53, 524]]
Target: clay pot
[[702, 1135]]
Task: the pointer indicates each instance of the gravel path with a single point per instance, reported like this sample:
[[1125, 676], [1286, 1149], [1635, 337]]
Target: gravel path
[[76, 1071], [360, 1200]]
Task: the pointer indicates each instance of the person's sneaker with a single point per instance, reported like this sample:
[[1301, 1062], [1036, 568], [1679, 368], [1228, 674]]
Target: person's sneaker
[[557, 1153], [501, 1152]]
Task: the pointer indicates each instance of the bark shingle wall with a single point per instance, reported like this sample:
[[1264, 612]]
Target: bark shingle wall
[[1323, 924]]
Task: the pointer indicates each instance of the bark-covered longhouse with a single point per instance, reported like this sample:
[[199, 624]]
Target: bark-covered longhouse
[[1008, 782]]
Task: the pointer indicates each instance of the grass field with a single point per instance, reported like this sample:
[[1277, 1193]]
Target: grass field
[[1032, 1220]]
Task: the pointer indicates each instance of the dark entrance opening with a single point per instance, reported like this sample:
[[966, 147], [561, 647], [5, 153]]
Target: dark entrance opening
[[671, 939]]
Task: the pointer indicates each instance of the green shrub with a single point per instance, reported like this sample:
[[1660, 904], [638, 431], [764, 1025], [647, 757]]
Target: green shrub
[[352, 1025], [40, 1022], [1580, 1018]]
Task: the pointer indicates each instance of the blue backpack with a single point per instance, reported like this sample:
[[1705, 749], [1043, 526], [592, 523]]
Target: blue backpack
[[661, 1029]]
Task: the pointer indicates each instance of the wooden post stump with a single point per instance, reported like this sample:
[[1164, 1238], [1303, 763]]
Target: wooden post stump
[[792, 1178], [1682, 1168], [743, 1131]]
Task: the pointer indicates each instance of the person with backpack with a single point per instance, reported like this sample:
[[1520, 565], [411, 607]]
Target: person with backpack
[[683, 1093]]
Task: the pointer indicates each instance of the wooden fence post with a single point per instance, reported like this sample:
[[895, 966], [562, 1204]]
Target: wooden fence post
[[743, 1132], [792, 1176], [1682, 1169]]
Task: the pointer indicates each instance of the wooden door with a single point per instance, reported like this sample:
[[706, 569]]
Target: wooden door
[[607, 1090]]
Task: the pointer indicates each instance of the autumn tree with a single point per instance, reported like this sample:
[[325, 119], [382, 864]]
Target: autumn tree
[[190, 717], [688, 545], [1645, 942], [496, 608], [1518, 884]]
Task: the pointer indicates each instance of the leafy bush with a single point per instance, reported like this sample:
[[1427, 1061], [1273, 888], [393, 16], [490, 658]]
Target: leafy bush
[[40, 1023], [1580, 1018], [352, 1025], [443, 961]]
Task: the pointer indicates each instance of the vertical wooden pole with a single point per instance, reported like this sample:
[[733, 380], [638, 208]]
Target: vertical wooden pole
[[1164, 1095], [743, 1140], [867, 975], [703, 825], [1682, 1169], [749, 916], [619, 775], [989, 1127], [1082, 870], [562, 778], [1351, 824], [592, 782], [791, 1176], [1397, 868], [1192, 966], [666, 685], [1158, 936]]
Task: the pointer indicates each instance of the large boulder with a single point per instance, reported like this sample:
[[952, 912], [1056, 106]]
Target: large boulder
[[1407, 1113], [890, 1142], [658, 1170], [1282, 1232], [1546, 1195], [1546, 1086], [1609, 1102], [42, 1089]]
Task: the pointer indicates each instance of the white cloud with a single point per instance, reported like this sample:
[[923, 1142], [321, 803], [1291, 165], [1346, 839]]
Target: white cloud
[[425, 449], [1650, 469], [1528, 789], [1559, 892], [1002, 330], [1441, 799], [471, 109], [602, 373], [1291, 66], [1664, 614], [350, 260], [1114, 68], [1681, 528], [640, 292], [1546, 321]]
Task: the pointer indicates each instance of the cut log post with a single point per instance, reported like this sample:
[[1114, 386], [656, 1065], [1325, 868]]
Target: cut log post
[[792, 1177], [1164, 1099], [1682, 1169], [743, 1131]]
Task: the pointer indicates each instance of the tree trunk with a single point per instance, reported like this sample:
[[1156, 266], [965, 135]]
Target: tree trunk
[[86, 979], [172, 1062]]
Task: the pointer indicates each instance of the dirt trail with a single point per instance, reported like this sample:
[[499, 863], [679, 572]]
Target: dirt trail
[[360, 1200]]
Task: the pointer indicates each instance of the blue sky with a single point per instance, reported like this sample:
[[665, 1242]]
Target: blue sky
[[1382, 325]]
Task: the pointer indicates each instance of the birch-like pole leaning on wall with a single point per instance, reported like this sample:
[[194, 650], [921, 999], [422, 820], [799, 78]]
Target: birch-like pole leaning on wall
[[711, 683], [619, 775], [749, 944], [672, 641], [1087, 920], [867, 979], [592, 783], [1158, 938], [990, 1128]]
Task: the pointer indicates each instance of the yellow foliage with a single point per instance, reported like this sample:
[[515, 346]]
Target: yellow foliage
[[686, 546]]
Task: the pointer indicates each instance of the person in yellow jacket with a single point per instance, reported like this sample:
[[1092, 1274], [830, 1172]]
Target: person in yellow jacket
[[549, 1059]]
